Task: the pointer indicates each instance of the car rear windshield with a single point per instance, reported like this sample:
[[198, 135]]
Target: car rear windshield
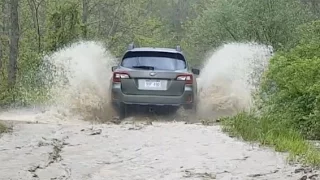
[[156, 60]]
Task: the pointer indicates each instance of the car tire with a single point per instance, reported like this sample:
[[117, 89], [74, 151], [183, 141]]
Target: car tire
[[191, 110], [191, 113], [174, 109], [191, 107], [171, 110], [194, 108], [122, 111]]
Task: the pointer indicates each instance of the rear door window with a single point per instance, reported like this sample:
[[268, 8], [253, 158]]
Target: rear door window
[[156, 60]]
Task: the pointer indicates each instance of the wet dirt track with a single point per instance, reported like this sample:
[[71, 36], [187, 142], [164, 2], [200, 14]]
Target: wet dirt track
[[134, 151]]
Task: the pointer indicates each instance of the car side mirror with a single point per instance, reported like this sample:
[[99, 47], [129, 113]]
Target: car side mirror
[[114, 68], [195, 71]]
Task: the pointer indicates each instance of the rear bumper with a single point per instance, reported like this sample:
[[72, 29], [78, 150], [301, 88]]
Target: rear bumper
[[186, 98]]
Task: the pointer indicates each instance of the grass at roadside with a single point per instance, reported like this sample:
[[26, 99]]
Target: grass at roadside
[[270, 132], [3, 128]]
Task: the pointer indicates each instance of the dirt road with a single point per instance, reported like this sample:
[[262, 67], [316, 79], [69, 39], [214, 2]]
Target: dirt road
[[134, 151]]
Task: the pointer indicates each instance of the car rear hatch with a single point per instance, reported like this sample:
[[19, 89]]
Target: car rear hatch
[[153, 73]]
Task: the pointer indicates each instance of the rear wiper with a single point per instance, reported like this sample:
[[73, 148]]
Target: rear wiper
[[144, 67]]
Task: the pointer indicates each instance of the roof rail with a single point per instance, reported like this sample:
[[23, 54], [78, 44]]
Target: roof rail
[[131, 46], [178, 48]]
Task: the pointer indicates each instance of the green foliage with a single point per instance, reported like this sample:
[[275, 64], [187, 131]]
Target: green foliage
[[143, 31], [289, 100], [274, 133], [309, 32], [296, 79], [293, 85], [271, 22], [3, 128], [63, 26], [28, 88], [151, 33]]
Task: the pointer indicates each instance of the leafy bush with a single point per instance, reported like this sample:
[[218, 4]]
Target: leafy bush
[[3, 128], [292, 84], [289, 100]]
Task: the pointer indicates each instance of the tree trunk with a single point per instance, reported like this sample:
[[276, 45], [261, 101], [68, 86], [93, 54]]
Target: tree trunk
[[1, 55], [85, 13], [177, 4], [14, 43], [3, 32]]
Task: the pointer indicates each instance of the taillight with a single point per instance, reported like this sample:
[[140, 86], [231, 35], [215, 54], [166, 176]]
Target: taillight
[[117, 76], [188, 78]]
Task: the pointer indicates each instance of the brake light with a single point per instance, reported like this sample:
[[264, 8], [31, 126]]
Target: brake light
[[117, 76], [188, 78]]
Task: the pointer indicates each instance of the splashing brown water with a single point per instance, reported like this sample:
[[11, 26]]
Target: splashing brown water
[[77, 78], [229, 77]]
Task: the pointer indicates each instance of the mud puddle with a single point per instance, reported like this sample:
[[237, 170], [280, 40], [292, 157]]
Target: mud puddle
[[135, 150]]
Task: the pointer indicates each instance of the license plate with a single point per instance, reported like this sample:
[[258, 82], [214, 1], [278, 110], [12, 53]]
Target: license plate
[[152, 84]]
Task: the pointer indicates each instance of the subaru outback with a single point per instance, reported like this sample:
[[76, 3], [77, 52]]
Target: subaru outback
[[153, 77]]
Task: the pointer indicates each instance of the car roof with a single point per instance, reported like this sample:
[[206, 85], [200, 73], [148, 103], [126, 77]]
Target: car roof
[[154, 49]]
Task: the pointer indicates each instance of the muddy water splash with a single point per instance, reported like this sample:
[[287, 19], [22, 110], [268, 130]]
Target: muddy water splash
[[77, 78], [229, 77]]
